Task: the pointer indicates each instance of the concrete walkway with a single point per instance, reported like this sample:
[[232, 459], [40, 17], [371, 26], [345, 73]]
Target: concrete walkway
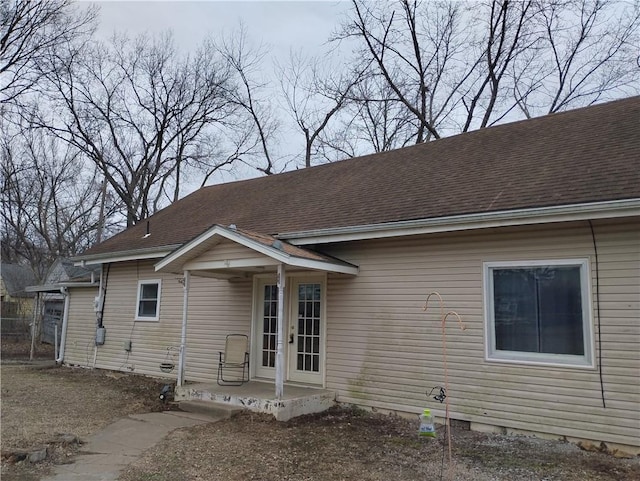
[[107, 452]]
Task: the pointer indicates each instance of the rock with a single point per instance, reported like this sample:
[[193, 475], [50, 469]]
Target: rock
[[37, 455], [67, 439], [588, 446], [15, 455], [621, 454]]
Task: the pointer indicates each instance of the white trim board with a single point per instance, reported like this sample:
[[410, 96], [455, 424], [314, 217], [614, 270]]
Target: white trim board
[[483, 220], [174, 262]]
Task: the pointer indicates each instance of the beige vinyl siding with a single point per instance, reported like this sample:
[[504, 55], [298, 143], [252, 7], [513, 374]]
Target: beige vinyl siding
[[384, 351], [216, 308], [228, 250], [81, 327]]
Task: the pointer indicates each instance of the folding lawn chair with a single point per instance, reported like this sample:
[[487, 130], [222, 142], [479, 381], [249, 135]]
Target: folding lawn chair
[[233, 366]]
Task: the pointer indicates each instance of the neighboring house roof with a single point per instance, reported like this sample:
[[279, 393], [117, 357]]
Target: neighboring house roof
[[588, 155], [63, 273], [63, 270], [16, 278]]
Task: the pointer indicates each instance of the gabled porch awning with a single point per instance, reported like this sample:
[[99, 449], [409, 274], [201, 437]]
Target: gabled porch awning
[[227, 253], [210, 255]]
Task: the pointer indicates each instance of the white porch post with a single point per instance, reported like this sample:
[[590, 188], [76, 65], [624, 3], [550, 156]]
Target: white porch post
[[280, 345], [183, 337]]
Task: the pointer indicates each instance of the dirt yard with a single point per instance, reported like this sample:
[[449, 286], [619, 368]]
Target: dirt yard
[[342, 444], [15, 348], [345, 444], [41, 402]]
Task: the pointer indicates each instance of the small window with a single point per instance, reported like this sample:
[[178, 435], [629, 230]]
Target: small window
[[148, 300], [539, 312]]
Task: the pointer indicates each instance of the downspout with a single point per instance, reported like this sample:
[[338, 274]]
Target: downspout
[[99, 309], [280, 345], [183, 336], [36, 311], [65, 320]]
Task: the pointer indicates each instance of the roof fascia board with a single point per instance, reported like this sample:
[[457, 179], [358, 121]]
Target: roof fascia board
[[79, 284], [123, 256], [288, 259], [575, 212], [323, 266], [271, 252], [222, 232], [230, 264], [56, 287]]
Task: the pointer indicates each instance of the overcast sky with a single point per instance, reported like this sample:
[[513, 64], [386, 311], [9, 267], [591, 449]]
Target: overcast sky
[[282, 25]]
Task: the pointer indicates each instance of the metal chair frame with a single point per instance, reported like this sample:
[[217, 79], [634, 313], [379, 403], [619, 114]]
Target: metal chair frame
[[234, 360]]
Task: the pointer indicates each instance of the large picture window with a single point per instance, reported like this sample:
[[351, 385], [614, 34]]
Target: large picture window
[[148, 305], [538, 311]]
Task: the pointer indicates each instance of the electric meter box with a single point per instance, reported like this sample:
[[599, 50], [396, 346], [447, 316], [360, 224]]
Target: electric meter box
[[100, 335]]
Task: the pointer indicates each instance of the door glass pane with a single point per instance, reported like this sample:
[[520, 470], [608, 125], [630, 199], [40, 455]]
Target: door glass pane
[[309, 317], [269, 326]]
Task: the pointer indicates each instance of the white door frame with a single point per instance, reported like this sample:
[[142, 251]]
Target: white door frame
[[293, 374], [257, 332], [290, 314]]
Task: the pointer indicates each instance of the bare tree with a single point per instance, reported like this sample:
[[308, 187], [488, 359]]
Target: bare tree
[[586, 54], [255, 139], [142, 113], [315, 91], [29, 32], [373, 119], [456, 66], [49, 199]]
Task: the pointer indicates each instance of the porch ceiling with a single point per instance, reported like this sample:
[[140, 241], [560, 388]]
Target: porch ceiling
[[259, 253]]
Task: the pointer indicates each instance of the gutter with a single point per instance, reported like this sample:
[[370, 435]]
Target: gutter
[[483, 220], [129, 255], [57, 287]]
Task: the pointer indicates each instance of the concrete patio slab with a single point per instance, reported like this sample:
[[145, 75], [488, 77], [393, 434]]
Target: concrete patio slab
[[260, 396]]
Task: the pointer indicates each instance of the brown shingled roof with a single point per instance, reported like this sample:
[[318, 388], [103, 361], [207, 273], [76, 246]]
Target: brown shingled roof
[[581, 156], [295, 251]]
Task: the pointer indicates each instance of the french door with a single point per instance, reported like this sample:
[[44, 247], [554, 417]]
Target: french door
[[265, 329], [303, 329], [306, 331]]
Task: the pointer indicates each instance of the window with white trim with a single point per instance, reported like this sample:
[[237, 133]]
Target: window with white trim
[[539, 312], [148, 305]]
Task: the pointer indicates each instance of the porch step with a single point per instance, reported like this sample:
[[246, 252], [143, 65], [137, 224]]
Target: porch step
[[209, 409]]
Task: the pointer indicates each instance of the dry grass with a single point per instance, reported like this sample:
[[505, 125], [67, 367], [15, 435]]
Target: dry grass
[[20, 349], [342, 444], [40, 402]]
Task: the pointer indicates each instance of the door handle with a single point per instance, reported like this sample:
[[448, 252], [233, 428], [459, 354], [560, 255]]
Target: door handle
[[290, 338]]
